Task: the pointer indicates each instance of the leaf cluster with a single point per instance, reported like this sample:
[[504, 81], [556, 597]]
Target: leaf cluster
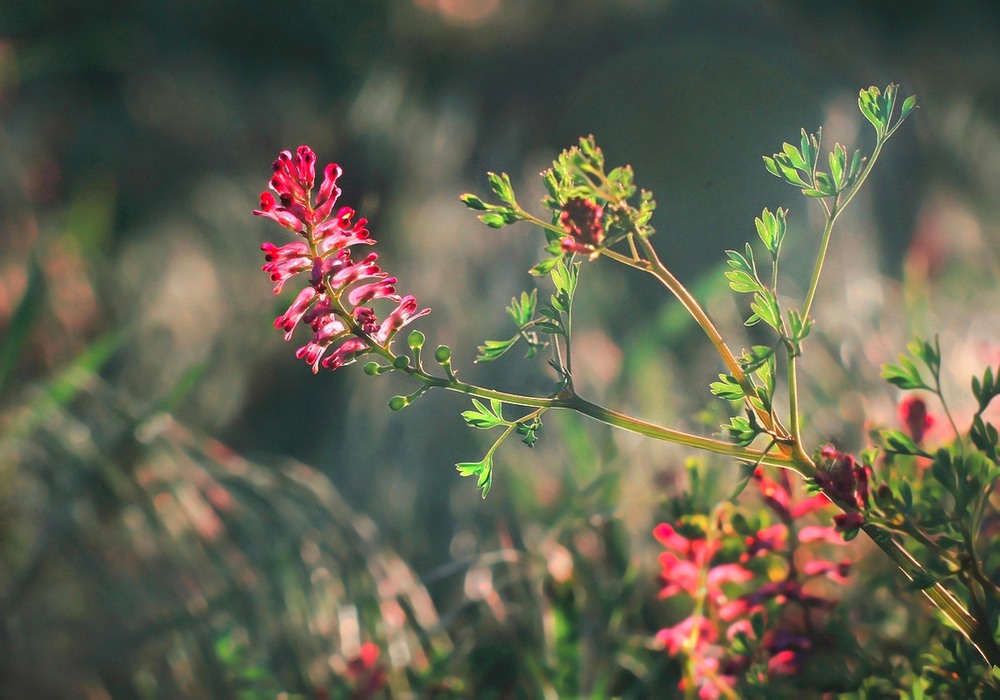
[[799, 166], [941, 498], [534, 320], [497, 215], [483, 417]]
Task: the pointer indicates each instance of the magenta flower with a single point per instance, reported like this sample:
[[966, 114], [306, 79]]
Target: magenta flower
[[334, 302], [582, 220]]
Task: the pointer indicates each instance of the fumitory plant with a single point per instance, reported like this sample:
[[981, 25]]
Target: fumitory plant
[[930, 509]]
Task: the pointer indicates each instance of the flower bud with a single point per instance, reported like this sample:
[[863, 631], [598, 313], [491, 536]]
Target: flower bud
[[398, 403], [401, 362], [442, 354], [416, 340], [372, 368]]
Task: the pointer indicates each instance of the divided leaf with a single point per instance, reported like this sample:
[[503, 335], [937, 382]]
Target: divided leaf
[[482, 470]]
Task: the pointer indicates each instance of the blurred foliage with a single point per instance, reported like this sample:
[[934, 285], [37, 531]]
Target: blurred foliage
[[134, 138]]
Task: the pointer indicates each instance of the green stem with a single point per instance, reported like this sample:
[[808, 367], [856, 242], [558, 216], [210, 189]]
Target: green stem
[[832, 214], [655, 267], [610, 417], [943, 599]]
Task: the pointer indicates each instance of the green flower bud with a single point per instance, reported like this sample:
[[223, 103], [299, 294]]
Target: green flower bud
[[442, 354], [398, 403], [372, 368], [416, 340], [473, 202], [401, 362]]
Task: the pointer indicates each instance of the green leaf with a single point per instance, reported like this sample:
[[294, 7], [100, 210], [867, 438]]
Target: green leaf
[[743, 277], [485, 418], [741, 431], [898, 442], [29, 308], [544, 267], [856, 162], [905, 375], [482, 469], [500, 184], [727, 388], [771, 229], [984, 436], [492, 350], [795, 156], [790, 174], [529, 431], [798, 327], [765, 308], [809, 147], [771, 166], [868, 103], [826, 184], [838, 164], [755, 357], [523, 310]]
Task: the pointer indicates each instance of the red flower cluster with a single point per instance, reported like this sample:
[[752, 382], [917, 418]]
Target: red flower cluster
[[582, 220], [738, 577], [845, 480], [333, 303]]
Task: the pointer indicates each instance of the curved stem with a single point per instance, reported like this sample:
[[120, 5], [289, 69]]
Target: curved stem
[[943, 599], [655, 267]]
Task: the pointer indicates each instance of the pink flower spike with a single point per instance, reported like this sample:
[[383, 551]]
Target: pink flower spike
[[286, 181], [336, 285], [290, 319], [817, 533], [402, 315], [285, 262], [674, 638], [339, 233], [383, 289], [348, 351], [668, 537], [835, 571], [784, 663], [809, 505], [305, 166], [270, 209], [328, 191]]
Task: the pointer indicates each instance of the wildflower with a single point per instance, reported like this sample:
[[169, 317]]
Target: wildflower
[[333, 304], [843, 478], [913, 414], [582, 220], [366, 675]]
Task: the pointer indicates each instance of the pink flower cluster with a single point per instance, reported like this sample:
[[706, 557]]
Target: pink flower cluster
[[739, 577], [334, 304]]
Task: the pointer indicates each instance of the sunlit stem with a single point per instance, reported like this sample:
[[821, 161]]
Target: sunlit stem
[[943, 599], [655, 267], [569, 400]]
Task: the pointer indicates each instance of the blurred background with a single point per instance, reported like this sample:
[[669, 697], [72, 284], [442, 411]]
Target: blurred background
[[186, 511]]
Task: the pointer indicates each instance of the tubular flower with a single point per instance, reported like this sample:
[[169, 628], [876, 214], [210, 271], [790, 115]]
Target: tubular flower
[[333, 304]]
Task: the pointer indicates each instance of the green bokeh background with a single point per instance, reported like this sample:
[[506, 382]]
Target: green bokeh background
[[135, 138]]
